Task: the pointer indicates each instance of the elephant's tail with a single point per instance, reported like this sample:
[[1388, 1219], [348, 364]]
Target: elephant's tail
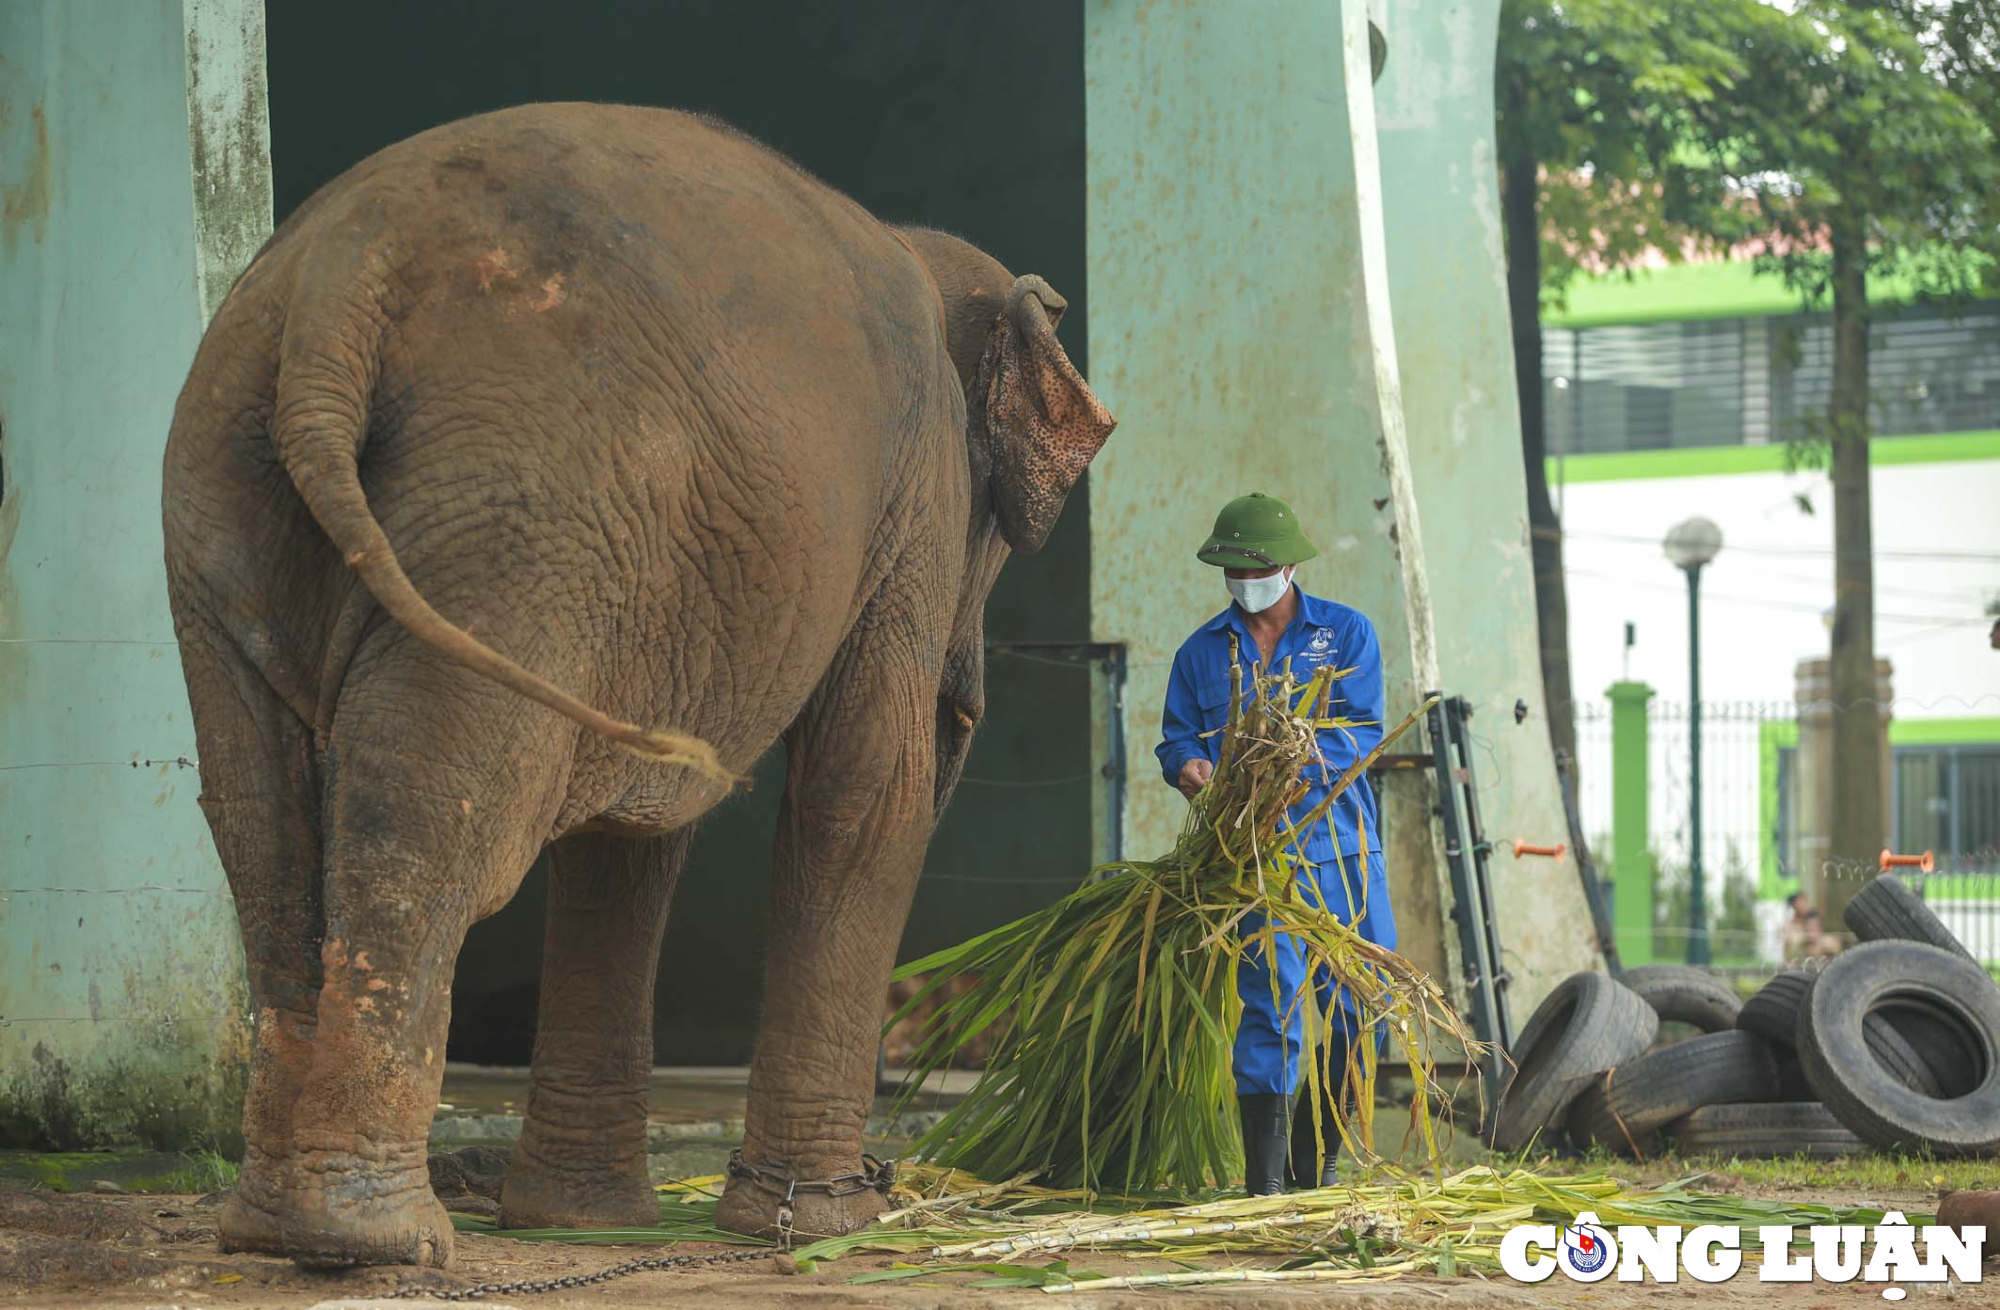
[[326, 376]]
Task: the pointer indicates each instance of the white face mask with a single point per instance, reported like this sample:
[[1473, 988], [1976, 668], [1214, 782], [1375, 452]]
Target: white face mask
[[1256, 595]]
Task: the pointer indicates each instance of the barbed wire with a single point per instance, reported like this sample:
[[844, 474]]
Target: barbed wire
[[1894, 704], [178, 761], [115, 891]]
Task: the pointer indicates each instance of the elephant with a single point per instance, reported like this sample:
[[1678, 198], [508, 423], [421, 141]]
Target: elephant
[[541, 473]]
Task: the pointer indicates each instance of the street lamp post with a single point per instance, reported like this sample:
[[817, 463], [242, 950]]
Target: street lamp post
[[1689, 545]]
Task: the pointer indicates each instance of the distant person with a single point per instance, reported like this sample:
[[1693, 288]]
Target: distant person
[[1794, 939], [1819, 943]]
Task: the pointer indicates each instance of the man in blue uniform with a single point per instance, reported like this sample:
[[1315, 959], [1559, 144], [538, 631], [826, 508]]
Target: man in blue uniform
[[1258, 544]]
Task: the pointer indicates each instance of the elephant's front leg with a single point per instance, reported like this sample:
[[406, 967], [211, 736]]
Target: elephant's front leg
[[857, 815], [581, 1161]]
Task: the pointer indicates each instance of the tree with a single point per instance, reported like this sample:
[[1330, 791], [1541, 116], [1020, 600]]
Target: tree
[[1857, 136], [1841, 137], [1590, 101]]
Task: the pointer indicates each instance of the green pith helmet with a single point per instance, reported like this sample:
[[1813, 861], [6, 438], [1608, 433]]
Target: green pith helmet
[[1255, 532]]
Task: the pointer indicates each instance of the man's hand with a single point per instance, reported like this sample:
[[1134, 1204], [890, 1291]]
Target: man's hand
[[1194, 776]]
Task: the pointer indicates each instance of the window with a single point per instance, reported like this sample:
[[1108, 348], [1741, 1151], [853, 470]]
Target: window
[[1719, 382], [1947, 799]]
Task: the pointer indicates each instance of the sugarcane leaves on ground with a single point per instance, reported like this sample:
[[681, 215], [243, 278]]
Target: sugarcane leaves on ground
[[948, 1225], [1401, 1224], [1110, 1011]]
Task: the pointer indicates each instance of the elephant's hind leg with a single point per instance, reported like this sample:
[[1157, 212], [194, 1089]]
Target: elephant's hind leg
[[442, 792], [260, 794], [581, 1160], [857, 814]]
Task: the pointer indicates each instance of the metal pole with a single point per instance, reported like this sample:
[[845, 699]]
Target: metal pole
[[1697, 948]]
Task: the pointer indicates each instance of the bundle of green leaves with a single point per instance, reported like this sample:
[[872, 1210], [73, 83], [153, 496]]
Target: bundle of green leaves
[[1117, 1003]]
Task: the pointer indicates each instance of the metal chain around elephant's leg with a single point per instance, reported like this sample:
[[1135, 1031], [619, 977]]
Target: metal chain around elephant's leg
[[530, 1286]]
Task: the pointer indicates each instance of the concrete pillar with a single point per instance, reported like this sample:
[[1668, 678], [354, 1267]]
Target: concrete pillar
[[1632, 872], [1813, 771], [1238, 329], [1454, 347], [136, 180], [1288, 296]]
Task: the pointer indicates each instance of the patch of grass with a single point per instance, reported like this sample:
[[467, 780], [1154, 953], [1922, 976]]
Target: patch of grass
[[1861, 1172], [129, 1169], [203, 1172], [52, 1170], [1864, 1174], [1867, 1175]]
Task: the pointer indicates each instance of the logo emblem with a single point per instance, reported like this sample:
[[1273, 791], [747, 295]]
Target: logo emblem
[[1321, 643], [1586, 1249]]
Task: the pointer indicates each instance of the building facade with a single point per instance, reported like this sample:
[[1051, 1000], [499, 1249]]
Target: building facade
[[1693, 390]]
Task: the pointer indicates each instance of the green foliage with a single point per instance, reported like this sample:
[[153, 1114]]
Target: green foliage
[[1878, 114], [1591, 98], [1731, 904], [1707, 123]]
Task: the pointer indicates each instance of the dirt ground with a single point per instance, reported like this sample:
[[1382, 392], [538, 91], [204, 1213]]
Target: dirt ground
[[83, 1252], [74, 1249]]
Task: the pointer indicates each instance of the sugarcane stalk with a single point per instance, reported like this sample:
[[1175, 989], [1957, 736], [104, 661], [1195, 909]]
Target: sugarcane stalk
[[1198, 1277]]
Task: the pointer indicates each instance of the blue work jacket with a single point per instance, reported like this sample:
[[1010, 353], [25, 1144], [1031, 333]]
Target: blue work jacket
[[1323, 632]]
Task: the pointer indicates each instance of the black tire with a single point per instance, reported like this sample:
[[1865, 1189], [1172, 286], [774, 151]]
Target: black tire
[[1886, 910], [1834, 1048], [1894, 1053], [1681, 993], [1773, 1011], [1625, 1108], [1588, 1024], [1792, 1084], [1765, 1130], [1947, 1048], [1773, 1014]]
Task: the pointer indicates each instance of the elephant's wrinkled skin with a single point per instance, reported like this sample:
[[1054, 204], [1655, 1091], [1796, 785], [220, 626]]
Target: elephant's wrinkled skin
[[665, 426]]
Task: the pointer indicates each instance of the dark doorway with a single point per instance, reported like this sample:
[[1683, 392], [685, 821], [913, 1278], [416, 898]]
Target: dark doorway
[[963, 117]]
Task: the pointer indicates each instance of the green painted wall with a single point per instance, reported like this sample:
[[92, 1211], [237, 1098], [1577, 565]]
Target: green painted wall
[[134, 176], [1772, 738], [1944, 732], [1707, 461]]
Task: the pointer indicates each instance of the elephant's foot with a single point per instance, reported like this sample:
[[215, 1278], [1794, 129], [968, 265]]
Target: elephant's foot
[[346, 1210], [250, 1216], [753, 1211], [540, 1195]]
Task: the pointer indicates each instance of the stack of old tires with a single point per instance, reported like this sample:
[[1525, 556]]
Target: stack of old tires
[[1893, 1044]]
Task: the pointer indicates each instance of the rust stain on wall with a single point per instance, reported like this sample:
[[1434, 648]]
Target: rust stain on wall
[[25, 203]]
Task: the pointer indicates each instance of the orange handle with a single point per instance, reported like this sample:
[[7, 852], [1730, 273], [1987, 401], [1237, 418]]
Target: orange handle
[[1554, 852], [1923, 863]]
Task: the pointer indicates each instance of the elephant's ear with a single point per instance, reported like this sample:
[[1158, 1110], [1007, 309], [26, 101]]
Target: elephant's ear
[[1040, 420]]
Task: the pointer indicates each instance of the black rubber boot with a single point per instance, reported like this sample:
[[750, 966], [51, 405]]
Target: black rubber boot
[[1266, 1119], [1306, 1164]]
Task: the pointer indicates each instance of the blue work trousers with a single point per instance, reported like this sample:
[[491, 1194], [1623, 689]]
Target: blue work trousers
[[1271, 1033]]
